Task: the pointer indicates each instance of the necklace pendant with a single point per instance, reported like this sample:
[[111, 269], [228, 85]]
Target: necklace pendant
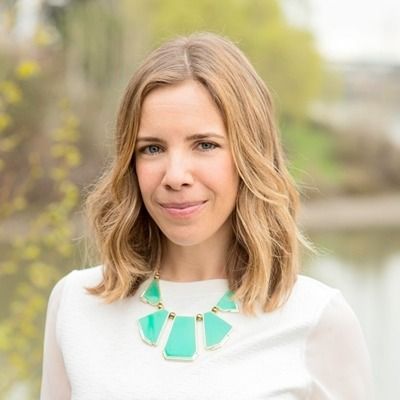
[[227, 304], [216, 330], [152, 294], [151, 326], [182, 341]]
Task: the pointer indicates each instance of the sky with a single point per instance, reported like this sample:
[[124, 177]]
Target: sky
[[351, 30]]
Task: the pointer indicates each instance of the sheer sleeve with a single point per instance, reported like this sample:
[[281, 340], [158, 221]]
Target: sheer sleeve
[[55, 384], [337, 355]]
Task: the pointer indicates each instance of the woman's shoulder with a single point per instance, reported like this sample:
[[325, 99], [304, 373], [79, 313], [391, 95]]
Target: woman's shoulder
[[83, 276], [77, 280], [326, 301], [305, 282], [313, 288], [88, 275], [309, 297]]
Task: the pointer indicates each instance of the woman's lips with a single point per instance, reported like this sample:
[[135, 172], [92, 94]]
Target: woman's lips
[[188, 211]]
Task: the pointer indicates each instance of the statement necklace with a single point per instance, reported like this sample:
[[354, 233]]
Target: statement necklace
[[182, 342]]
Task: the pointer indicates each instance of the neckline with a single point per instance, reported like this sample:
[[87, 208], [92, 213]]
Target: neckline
[[198, 281], [194, 288]]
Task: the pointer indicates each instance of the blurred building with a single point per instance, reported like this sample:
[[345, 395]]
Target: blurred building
[[369, 99]]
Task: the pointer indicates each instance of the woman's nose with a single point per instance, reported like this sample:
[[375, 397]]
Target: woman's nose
[[177, 172]]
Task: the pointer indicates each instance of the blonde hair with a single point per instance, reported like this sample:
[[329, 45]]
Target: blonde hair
[[263, 260]]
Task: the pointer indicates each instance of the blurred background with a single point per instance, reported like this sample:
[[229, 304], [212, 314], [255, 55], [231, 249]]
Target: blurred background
[[334, 71]]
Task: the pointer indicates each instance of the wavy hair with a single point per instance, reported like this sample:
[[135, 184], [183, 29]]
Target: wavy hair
[[263, 258]]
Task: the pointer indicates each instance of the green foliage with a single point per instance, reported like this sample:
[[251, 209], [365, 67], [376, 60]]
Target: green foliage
[[93, 34], [107, 39], [10, 99], [283, 55], [44, 250], [312, 154]]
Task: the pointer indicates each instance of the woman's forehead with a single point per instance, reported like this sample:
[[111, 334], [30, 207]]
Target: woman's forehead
[[185, 108], [188, 94]]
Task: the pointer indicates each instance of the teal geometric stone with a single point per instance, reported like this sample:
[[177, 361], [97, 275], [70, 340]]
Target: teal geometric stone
[[152, 294], [182, 344], [226, 303], [216, 330], [151, 326]]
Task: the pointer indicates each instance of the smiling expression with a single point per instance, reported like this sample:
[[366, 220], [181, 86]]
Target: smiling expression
[[182, 157]]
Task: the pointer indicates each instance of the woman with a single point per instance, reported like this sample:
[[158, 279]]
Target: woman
[[199, 295]]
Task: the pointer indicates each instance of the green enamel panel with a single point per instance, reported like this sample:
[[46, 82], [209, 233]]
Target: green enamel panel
[[151, 326], [216, 330], [181, 344], [226, 303], [152, 294]]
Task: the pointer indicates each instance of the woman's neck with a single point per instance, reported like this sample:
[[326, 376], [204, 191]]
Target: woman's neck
[[193, 263]]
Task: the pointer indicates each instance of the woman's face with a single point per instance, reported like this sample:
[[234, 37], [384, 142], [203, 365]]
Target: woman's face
[[182, 155]]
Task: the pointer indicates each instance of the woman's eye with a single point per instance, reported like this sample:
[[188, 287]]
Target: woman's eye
[[152, 146], [208, 143]]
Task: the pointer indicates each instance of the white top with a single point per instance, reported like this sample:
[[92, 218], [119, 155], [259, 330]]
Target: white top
[[311, 348]]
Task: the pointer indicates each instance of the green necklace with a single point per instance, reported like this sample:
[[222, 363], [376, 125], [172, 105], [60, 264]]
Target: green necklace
[[182, 343]]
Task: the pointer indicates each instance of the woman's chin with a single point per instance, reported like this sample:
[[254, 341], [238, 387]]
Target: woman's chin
[[183, 237]]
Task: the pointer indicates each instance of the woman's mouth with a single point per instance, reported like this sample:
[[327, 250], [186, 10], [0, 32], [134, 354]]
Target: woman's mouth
[[183, 210]]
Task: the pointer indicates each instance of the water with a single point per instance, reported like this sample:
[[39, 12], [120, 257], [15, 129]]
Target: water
[[364, 265]]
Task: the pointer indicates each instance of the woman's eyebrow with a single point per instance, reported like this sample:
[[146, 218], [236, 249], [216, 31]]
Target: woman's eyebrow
[[196, 136]]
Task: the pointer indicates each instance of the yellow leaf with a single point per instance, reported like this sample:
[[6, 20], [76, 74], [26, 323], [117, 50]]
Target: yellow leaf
[[31, 252], [27, 69], [11, 92], [58, 174], [41, 275], [5, 121], [73, 158]]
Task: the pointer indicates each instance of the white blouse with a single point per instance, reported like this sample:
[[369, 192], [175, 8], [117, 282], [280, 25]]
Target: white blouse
[[311, 348]]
